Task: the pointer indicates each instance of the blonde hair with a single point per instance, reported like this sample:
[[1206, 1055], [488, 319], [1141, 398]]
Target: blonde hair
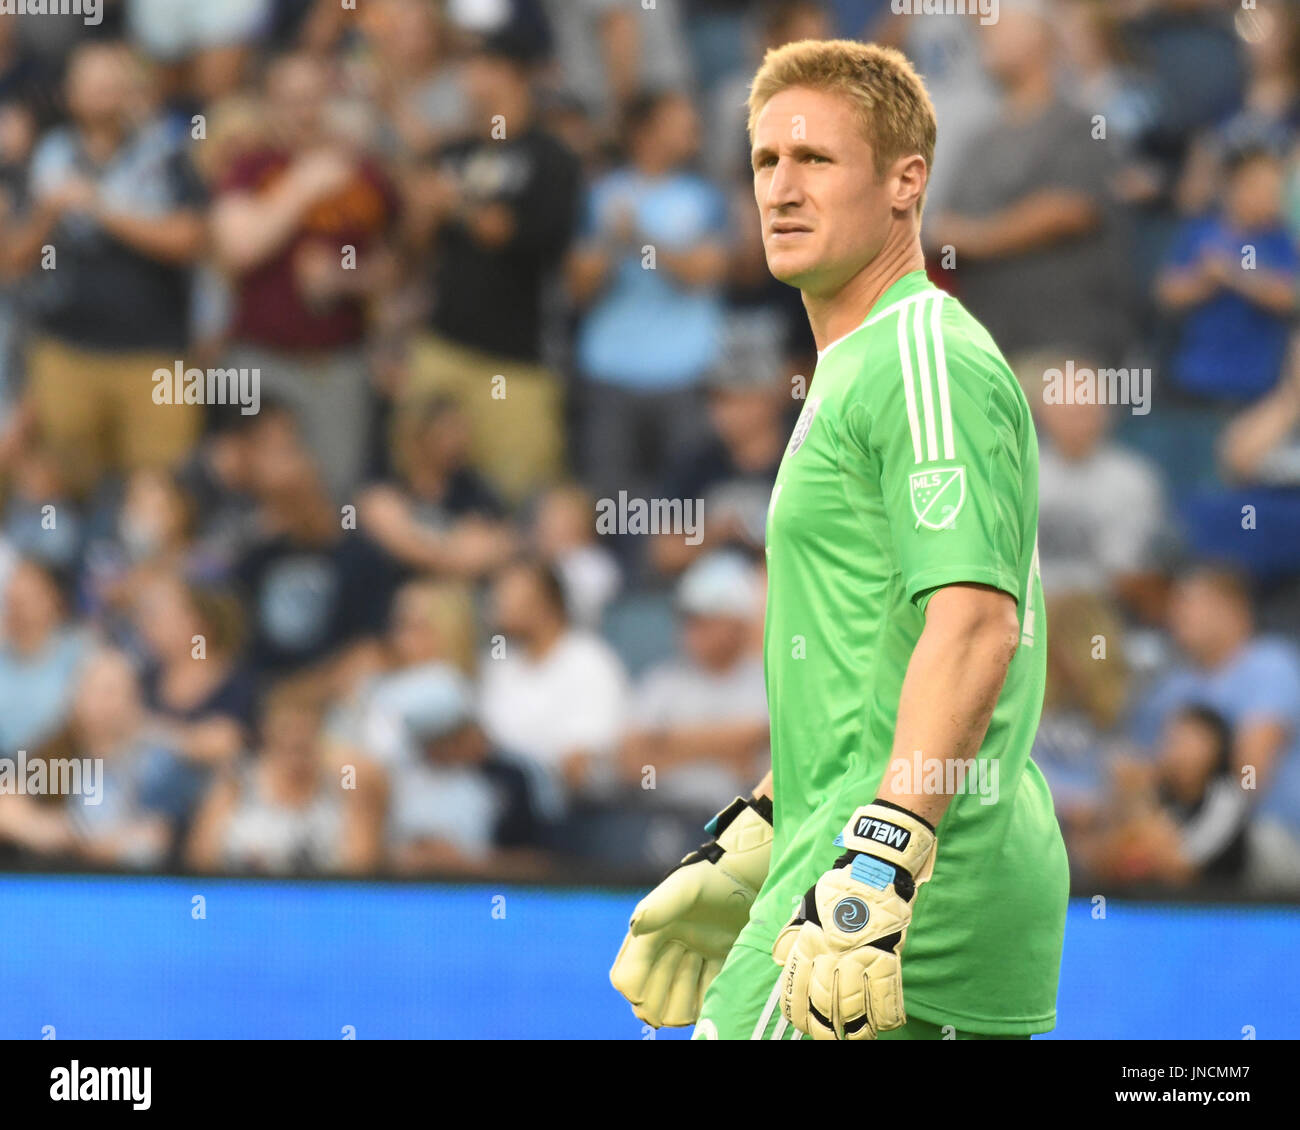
[[888, 95], [448, 608], [1074, 677]]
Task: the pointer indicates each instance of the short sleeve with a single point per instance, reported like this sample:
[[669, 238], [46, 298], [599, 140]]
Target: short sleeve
[[945, 434], [1270, 690]]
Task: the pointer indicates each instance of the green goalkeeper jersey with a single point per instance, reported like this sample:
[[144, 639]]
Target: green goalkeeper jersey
[[913, 465]]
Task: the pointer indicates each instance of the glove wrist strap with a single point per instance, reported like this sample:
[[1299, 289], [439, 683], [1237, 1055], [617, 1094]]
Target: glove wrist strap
[[892, 834], [724, 819]]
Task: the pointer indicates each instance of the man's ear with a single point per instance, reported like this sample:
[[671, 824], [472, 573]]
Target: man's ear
[[911, 175]]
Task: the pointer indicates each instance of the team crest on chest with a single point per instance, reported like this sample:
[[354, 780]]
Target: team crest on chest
[[804, 424], [937, 496]]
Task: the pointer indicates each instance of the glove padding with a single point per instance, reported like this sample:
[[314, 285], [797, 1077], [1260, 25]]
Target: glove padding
[[682, 931], [842, 977]]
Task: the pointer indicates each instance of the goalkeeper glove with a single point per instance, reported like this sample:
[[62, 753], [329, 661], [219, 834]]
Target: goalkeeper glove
[[843, 977], [682, 930]]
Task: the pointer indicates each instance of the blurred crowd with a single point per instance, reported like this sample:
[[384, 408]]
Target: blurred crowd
[[475, 276]]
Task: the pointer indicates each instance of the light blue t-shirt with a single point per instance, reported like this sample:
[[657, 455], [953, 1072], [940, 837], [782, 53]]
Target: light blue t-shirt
[[648, 331], [1261, 683], [35, 691]]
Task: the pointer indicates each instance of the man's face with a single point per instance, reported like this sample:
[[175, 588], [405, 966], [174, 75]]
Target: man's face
[[297, 93], [99, 84], [737, 413], [824, 212], [677, 130], [1200, 615], [1254, 196], [714, 642], [516, 599], [1075, 429], [108, 699], [1012, 44], [1188, 755]]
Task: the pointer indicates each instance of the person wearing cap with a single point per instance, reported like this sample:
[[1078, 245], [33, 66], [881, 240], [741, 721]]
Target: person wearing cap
[[699, 720], [456, 804]]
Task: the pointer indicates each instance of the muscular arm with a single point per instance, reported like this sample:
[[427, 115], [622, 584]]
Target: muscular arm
[[952, 684]]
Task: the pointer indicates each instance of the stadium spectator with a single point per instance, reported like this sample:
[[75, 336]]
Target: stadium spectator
[[219, 478], [41, 650], [1181, 818], [316, 586], [1268, 117], [550, 692], [1252, 680], [649, 269], [205, 49], [144, 532], [1086, 541], [96, 774], [1262, 443], [457, 806], [130, 823], [199, 696], [1231, 276], [284, 810], [114, 226], [607, 52], [499, 210], [432, 633], [732, 471], [300, 225], [1193, 60], [564, 536], [1087, 696], [440, 515], [698, 723], [41, 519], [413, 78], [1032, 225]]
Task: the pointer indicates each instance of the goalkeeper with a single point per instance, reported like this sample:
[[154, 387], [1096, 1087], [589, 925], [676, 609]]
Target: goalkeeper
[[900, 873]]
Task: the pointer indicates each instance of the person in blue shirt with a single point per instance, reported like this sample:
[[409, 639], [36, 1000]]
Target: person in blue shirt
[[1232, 277], [649, 269], [1252, 680]]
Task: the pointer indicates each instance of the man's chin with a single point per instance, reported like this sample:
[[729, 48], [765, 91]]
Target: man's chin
[[791, 270]]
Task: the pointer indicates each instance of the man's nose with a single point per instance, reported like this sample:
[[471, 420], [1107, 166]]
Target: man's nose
[[784, 188]]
